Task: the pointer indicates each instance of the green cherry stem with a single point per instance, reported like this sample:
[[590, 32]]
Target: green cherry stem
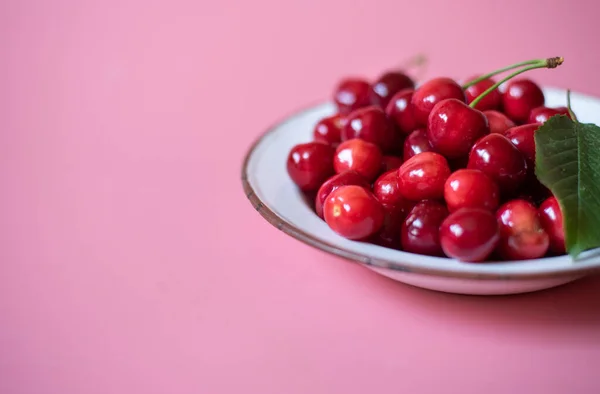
[[571, 113], [504, 69], [551, 62]]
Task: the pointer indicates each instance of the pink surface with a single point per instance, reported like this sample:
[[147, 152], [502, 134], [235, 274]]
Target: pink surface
[[130, 260]]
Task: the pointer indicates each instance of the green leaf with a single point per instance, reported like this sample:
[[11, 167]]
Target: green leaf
[[568, 163]]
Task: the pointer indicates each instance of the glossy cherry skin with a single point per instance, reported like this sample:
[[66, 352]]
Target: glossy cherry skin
[[387, 189], [389, 234], [454, 127], [495, 155], [498, 122], [523, 138], [522, 236], [423, 176], [353, 212], [420, 230], [471, 189], [351, 94], [372, 125], [360, 156], [490, 102], [469, 234], [336, 181], [329, 130], [390, 163], [416, 142], [401, 111], [310, 164], [520, 97], [551, 219], [387, 85], [542, 114], [432, 92]]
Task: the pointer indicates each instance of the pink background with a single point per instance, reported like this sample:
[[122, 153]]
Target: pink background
[[130, 260]]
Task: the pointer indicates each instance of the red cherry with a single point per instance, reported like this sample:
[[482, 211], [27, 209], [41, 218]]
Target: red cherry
[[372, 125], [454, 127], [416, 142], [328, 130], [336, 181], [522, 236], [431, 93], [520, 97], [387, 189], [353, 212], [401, 111], [420, 230], [351, 94], [469, 234], [495, 155], [492, 101], [388, 85], [523, 138], [471, 189], [498, 122], [551, 219], [360, 156], [423, 176], [542, 114], [310, 164], [389, 234], [390, 163]]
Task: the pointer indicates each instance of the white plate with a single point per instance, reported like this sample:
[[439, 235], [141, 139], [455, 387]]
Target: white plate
[[274, 195]]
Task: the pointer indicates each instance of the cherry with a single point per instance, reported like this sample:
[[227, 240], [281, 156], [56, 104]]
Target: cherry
[[372, 125], [416, 142], [423, 176], [522, 236], [401, 111], [498, 122], [431, 93], [387, 189], [310, 164], [495, 155], [420, 230], [492, 101], [454, 127], [360, 156], [351, 94], [336, 181], [389, 234], [353, 212], [328, 130], [388, 85], [390, 163], [469, 234], [542, 114], [520, 97], [471, 189], [551, 219], [523, 138]]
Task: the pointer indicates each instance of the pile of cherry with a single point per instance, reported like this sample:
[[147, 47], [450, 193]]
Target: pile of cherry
[[422, 170]]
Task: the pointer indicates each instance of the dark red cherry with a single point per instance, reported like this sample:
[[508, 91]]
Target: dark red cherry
[[520, 97], [542, 114], [522, 236], [401, 111], [523, 138], [351, 94], [336, 181], [498, 122], [310, 164], [388, 85], [416, 142], [420, 230], [387, 189], [469, 234], [471, 189], [328, 130], [432, 92], [495, 155], [551, 219], [454, 127], [423, 176], [360, 156], [353, 212], [390, 163], [372, 125], [492, 101], [389, 234]]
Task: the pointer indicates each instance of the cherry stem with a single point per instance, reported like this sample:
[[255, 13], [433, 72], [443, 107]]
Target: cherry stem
[[551, 62], [571, 113], [504, 69]]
